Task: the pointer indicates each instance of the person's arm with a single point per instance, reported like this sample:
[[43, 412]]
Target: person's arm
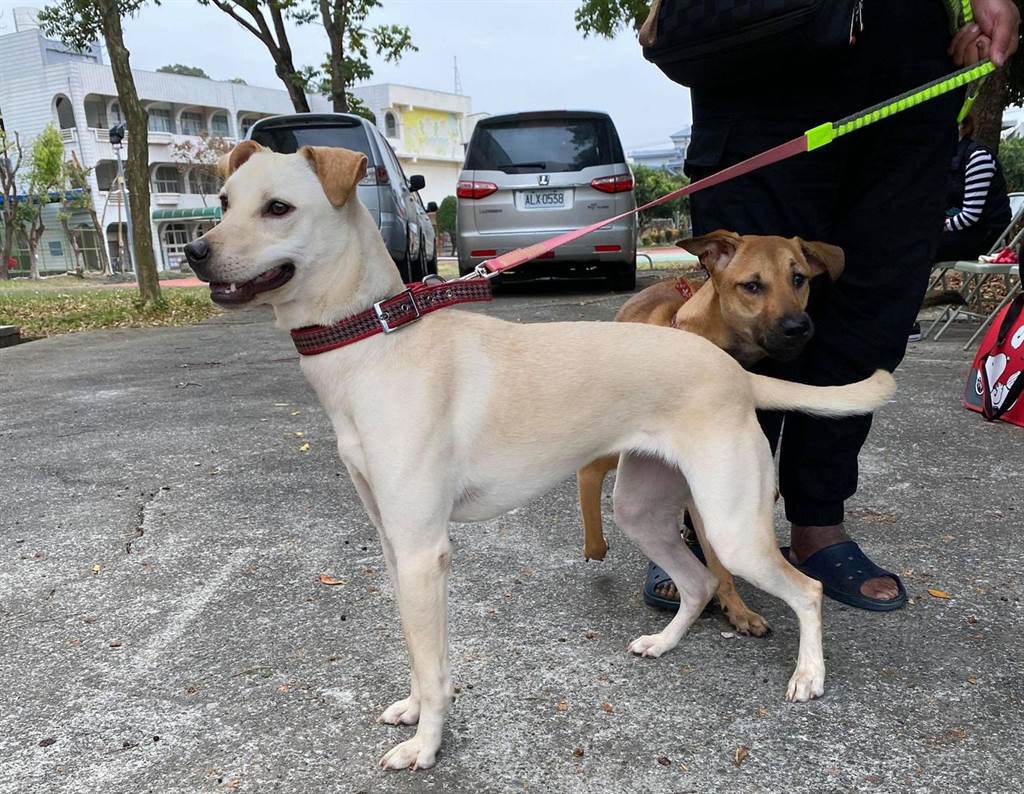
[[981, 167]]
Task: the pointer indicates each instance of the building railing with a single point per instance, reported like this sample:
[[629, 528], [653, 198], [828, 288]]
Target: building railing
[[69, 135]]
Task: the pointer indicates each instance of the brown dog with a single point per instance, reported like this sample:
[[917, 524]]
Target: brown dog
[[753, 307]]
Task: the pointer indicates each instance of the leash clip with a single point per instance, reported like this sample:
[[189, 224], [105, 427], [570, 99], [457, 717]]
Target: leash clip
[[383, 315]]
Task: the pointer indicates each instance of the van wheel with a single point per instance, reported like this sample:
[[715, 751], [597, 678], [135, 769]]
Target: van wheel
[[622, 277]]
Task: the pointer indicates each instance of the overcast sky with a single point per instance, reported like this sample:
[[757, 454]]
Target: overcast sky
[[513, 55]]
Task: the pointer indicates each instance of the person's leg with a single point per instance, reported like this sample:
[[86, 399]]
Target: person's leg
[[889, 225]]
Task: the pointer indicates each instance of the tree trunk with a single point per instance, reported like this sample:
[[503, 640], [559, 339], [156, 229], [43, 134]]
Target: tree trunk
[[290, 78], [138, 153], [988, 111], [76, 249], [6, 249], [35, 234], [101, 241], [335, 25]]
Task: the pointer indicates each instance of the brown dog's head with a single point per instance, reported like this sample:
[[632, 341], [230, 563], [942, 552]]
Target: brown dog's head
[[762, 285], [280, 216]]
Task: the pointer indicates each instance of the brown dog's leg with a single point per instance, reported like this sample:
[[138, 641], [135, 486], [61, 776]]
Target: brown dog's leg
[[590, 480], [742, 617]]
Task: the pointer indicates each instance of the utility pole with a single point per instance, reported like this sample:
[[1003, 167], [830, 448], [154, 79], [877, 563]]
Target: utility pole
[[458, 79], [116, 134]]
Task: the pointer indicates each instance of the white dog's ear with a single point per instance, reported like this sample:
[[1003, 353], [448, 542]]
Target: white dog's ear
[[339, 170], [235, 159], [714, 250], [824, 258]]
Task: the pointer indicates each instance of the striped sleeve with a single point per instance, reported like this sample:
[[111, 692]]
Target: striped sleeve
[[981, 167]]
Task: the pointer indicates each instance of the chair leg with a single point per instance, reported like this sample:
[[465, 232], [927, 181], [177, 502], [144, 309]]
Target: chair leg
[[1010, 295]]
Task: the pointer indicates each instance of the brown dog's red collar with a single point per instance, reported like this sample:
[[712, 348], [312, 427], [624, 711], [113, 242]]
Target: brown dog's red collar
[[389, 314], [683, 288]]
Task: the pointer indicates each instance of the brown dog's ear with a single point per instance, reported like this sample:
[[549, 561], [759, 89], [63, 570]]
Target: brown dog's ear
[[824, 258], [714, 250], [339, 170], [235, 159]]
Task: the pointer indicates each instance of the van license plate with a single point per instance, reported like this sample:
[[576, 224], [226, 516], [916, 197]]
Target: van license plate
[[543, 200]]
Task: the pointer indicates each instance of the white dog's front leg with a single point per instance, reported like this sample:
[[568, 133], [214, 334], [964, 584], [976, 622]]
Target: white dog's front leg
[[422, 584]]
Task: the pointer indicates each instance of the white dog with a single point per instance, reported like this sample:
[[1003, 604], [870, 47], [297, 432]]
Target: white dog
[[461, 417]]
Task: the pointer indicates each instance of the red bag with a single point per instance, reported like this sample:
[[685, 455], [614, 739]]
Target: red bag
[[996, 382]]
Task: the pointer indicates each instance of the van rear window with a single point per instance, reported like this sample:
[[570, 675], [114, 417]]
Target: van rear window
[[543, 145], [288, 140]]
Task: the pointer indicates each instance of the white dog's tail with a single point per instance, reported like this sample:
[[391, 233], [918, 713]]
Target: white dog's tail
[[861, 397]]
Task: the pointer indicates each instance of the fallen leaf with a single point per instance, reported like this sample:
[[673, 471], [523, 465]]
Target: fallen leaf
[[761, 711], [304, 447], [299, 434], [972, 620], [562, 706], [283, 689], [281, 405], [607, 707], [684, 768], [741, 754], [233, 784], [728, 635], [296, 413], [95, 569], [938, 593], [48, 741], [664, 760], [326, 578], [972, 680], [578, 752]]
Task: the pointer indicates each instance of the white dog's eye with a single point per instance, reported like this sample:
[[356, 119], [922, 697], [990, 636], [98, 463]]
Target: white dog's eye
[[278, 208]]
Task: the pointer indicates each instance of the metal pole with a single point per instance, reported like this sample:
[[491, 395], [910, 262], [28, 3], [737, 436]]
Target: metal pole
[[127, 209]]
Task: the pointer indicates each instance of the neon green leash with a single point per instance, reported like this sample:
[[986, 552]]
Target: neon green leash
[[824, 134]]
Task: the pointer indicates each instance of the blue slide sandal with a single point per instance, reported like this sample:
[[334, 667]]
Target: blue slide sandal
[[842, 568], [656, 577]]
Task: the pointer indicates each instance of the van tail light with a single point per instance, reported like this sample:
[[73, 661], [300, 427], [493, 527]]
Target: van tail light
[[467, 189], [484, 252], [607, 249], [376, 175], [620, 183]]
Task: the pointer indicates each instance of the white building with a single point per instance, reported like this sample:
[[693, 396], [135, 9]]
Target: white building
[[666, 158], [43, 82], [427, 129]]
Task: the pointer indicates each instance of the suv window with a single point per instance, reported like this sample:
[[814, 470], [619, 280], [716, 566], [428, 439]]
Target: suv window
[[532, 146], [288, 139]]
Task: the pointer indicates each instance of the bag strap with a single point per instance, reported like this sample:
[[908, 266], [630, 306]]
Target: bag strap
[[990, 412]]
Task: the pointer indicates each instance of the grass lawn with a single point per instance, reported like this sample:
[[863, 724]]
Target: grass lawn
[[56, 306]]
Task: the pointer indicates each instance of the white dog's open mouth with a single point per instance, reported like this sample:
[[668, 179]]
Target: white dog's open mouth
[[233, 294]]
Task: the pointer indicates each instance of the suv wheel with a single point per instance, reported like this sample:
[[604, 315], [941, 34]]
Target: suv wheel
[[622, 277]]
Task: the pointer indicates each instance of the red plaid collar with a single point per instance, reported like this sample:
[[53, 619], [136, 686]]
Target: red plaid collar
[[389, 314]]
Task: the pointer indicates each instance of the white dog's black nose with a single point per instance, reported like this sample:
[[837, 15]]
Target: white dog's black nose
[[197, 252]]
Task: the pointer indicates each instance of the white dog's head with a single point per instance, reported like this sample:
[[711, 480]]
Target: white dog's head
[[282, 216]]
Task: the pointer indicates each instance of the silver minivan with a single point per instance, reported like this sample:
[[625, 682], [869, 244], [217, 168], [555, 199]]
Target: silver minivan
[[389, 195], [529, 176]]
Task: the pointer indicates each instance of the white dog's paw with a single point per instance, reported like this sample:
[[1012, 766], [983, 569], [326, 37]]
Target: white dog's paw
[[806, 685], [413, 754], [402, 712], [650, 645]]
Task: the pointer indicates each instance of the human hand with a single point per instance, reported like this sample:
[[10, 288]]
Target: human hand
[[999, 20], [969, 45]]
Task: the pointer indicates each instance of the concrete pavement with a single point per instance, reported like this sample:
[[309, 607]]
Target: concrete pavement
[[162, 533]]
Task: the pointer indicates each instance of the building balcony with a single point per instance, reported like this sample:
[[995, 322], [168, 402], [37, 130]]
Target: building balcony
[[166, 199], [69, 135]]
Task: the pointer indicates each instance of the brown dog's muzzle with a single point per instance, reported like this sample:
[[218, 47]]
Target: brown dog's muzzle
[[788, 336]]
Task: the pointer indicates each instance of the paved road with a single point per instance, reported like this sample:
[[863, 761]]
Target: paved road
[[164, 630]]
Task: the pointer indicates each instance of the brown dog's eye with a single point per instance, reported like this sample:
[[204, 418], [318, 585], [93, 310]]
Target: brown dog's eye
[[753, 287], [277, 208], [799, 279]]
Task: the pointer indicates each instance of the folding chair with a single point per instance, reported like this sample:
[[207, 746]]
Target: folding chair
[[1011, 293], [975, 275]]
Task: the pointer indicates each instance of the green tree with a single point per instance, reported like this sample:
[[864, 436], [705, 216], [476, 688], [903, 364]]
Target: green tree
[[446, 214], [608, 17], [44, 177], [349, 38], [77, 198], [188, 71], [78, 23], [654, 182], [1011, 157]]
